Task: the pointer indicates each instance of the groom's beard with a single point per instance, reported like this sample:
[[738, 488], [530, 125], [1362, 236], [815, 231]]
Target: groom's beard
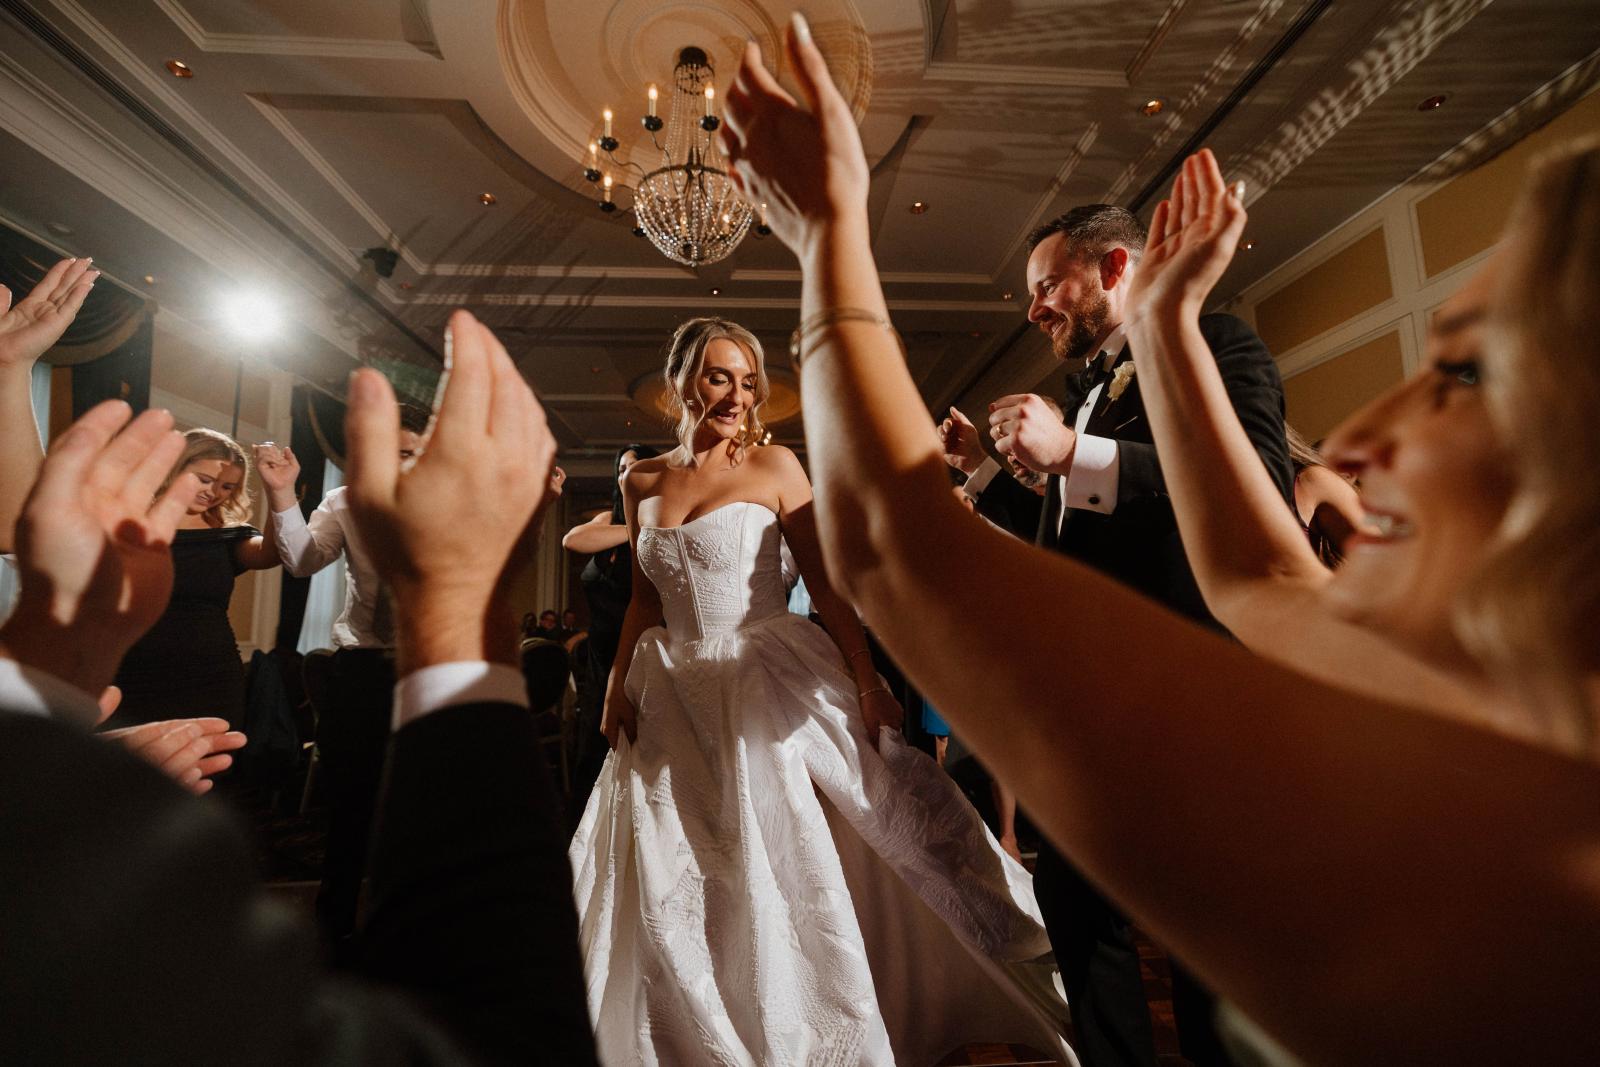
[[1088, 322]]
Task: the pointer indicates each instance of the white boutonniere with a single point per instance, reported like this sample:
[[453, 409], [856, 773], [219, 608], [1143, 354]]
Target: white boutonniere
[[1120, 379]]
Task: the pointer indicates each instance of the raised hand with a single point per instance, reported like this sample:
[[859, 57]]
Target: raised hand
[[189, 751], [92, 550], [277, 466], [1026, 430], [29, 328], [958, 440], [1193, 236], [805, 165], [443, 530]]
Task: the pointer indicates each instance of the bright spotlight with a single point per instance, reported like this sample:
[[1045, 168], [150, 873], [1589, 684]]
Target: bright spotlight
[[251, 316]]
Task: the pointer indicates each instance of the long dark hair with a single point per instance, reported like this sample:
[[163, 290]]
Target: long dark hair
[[639, 452]]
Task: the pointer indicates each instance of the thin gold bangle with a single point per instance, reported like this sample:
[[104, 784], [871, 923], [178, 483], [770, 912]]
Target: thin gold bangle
[[859, 652], [875, 689], [824, 320]]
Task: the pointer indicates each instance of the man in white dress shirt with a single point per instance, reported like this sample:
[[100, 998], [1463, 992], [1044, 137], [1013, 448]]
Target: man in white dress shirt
[[353, 729], [139, 925]]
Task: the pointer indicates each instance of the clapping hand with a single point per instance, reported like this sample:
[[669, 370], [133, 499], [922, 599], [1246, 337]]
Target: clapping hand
[[1192, 240], [958, 440], [1025, 429], [444, 531], [189, 751], [92, 549], [28, 329], [807, 166], [277, 466]]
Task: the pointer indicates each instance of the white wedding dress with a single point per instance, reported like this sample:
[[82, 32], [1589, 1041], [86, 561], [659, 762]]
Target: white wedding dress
[[756, 885]]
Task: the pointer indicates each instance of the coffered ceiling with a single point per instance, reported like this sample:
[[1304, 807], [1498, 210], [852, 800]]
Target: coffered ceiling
[[312, 131]]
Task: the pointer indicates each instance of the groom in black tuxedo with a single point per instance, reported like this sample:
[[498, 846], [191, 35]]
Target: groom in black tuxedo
[[1106, 505]]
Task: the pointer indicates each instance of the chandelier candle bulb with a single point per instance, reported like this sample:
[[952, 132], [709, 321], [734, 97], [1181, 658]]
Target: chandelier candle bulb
[[651, 92], [711, 95], [594, 155], [606, 114], [607, 184]]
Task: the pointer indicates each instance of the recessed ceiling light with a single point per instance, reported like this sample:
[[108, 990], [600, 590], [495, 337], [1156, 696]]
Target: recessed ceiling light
[[628, 423], [60, 229], [715, 291], [919, 208], [149, 279], [1247, 245], [1433, 103], [1153, 106], [1008, 295], [487, 199], [179, 68]]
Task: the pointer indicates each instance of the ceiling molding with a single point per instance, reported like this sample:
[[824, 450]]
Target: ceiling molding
[[888, 277], [1157, 38], [1418, 28], [539, 270], [992, 74], [330, 174], [468, 299], [1192, 99], [262, 44], [1048, 197]]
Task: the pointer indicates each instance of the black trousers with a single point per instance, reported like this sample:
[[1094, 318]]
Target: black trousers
[[1099, 961], [352, 740]]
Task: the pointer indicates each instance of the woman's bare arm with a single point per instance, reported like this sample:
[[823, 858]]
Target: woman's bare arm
[[1251, 559], [1279, 834], [597, 535], [644, 611]]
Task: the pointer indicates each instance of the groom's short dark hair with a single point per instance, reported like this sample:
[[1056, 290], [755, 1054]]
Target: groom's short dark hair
[[1094, 229]]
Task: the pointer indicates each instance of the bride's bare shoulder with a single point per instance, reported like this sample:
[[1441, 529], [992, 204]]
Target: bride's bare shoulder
[[644, 475]]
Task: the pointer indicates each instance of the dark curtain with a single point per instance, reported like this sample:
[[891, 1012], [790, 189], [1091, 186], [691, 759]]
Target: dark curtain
[[307, 445], [121, 374], [108, 320]]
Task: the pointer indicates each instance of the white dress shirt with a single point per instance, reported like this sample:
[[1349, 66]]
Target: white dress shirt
[[28, 691], [305, 548], [1091, 483]]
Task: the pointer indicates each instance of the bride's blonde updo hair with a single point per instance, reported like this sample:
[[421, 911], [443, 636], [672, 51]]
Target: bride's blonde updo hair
[[1531, 611], [686, 355]]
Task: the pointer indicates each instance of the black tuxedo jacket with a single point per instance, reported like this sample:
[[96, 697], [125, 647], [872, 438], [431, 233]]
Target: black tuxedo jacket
[[1138, 543], [133, 929]]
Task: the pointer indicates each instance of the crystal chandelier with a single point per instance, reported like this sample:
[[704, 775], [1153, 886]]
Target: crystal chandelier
[[686, 205]]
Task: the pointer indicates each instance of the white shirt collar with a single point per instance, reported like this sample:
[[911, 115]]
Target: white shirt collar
[[1113, 345]]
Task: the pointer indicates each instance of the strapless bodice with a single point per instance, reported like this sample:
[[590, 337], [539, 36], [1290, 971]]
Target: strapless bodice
[[718, 572]]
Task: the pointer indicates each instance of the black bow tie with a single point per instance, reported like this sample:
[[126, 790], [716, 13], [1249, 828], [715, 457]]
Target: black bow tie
[[1093, 373]]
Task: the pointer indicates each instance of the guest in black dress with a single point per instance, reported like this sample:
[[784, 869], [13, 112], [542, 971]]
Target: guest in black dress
[[608, 585], [188, 663]]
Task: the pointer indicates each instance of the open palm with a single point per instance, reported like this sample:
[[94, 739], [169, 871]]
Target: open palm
[[1192, 240], [93, 552], [29, 328]]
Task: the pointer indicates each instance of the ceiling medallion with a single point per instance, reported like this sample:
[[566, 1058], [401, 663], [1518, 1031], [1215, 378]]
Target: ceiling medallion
[[686, 205]]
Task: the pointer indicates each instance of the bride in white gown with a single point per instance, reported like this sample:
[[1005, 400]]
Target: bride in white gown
[[765, 873]]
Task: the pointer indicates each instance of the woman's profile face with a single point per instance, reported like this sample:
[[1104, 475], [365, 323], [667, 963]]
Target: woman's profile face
[[219, 481], [1435, 481], [725, 387], [624, 461]]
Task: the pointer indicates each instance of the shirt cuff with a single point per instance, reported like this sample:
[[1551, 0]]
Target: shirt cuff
[[1091, 485], [980, 478], [445, 685], [288, 517], [30, 691]]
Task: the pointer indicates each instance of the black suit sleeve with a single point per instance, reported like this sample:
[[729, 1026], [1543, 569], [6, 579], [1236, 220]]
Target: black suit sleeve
[[472, 894], [1250, 377], [1010, 505]]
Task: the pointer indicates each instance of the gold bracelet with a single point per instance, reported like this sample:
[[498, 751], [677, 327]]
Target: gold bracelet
[[822, 320], [875, 689], [858, 652]]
